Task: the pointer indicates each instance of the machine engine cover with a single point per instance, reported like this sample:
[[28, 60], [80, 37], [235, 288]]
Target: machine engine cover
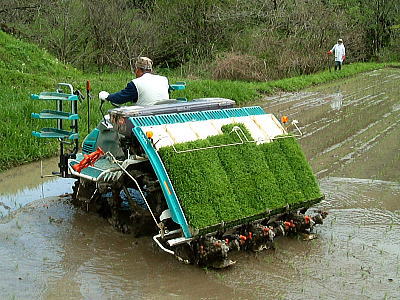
[[120, 116]]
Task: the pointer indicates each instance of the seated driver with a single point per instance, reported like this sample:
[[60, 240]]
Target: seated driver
[[145, 89]]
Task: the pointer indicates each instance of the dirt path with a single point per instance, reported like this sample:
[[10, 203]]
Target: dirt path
[[352, 138]]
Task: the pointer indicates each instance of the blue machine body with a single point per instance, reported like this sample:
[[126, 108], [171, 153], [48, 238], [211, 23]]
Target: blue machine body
[[177, 213]]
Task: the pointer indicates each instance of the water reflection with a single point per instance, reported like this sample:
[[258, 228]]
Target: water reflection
[[337, 101], [24, 184], [48, 188]]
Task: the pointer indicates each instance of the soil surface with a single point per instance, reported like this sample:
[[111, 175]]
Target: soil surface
[[351, 136]]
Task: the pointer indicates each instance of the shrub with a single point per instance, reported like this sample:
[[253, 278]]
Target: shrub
[[233, 66]]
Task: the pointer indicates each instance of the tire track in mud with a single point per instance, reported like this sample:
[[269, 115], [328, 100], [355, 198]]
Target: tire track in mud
[[287, 98], [334, 136], [314, 127], [357, 144], [347, 127], [278, 103]]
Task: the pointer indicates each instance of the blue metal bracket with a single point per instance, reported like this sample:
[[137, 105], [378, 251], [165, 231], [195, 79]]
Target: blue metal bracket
[[54, 96], [166, 185], [180, 85]]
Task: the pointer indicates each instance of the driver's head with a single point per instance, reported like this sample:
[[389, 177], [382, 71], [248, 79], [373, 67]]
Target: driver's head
[[143, 65]]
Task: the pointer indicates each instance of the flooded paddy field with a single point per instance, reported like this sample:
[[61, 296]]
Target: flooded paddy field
[[49, 249]]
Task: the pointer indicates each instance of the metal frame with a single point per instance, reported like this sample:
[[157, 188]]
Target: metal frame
[[165, 183]]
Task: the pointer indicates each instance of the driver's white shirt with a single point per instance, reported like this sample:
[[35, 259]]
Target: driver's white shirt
[[151, 88]]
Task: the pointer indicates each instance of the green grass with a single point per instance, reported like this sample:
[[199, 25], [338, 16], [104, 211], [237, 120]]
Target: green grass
[[231, 183], [26, 69]]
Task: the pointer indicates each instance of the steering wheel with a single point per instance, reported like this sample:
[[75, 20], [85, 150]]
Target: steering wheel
[[101, 107]]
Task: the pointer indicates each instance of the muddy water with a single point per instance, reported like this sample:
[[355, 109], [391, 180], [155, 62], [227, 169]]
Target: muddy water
[[352, 138], [24, 184]]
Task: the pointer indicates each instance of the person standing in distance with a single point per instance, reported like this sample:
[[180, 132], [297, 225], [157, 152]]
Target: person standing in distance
[[340, 54], [145, 89]]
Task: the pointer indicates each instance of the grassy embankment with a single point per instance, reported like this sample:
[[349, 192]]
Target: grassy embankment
[[26, 69]]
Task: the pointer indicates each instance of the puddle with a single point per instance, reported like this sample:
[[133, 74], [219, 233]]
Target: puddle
[[48, 249], [22, 185]]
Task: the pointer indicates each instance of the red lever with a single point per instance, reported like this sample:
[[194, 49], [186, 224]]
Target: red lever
[[89, 160], [88, 87]]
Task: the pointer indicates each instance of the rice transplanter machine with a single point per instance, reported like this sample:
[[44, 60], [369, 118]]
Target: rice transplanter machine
[[203, 177]]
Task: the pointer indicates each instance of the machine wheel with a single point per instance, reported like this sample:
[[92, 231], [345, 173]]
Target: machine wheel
[[84, 195], [113, 201]]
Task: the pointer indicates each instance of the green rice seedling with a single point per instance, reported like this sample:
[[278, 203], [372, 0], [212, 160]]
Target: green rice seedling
[[277, 161], [230, 183], [192, 198], [188, 172], [234, 165], [270, 196], [18, 225], [300, 168], [266, 194]]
